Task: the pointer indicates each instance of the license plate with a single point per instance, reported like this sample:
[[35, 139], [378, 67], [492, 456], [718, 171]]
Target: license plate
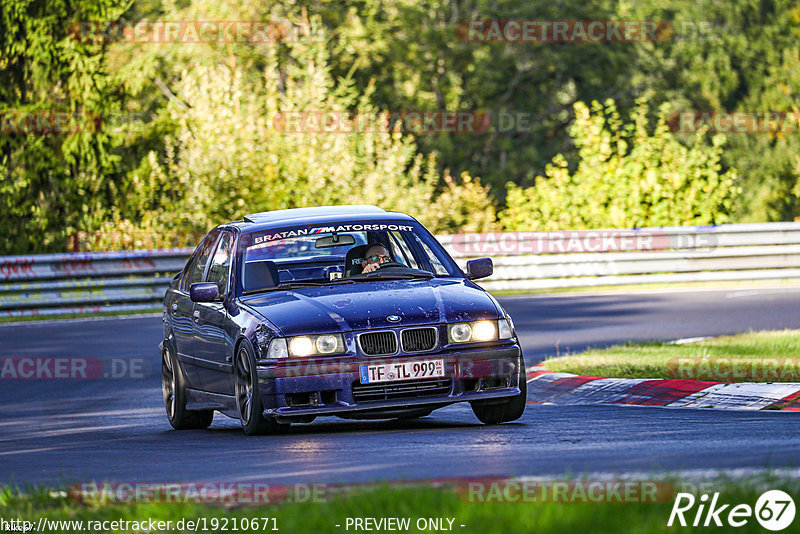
[[391, 372]]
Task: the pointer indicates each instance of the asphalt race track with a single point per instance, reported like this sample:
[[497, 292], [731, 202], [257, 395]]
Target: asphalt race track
[[58, 430]]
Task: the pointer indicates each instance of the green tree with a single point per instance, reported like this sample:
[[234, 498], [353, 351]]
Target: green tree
[[53, 183], [627, 176], [418, 59], [231, 154], [732, 55]]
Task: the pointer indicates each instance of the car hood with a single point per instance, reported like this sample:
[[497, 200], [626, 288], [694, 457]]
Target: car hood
[[367, 305]]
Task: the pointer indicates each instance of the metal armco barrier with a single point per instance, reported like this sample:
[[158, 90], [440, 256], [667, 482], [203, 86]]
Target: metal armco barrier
[[56, 284], [87, 282]]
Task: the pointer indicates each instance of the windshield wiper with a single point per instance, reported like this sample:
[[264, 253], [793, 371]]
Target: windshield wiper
[[296, 285], [388, 276]]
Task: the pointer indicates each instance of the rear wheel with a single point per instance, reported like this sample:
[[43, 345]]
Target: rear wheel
[[248, 397], [173, 389], [508, 410]]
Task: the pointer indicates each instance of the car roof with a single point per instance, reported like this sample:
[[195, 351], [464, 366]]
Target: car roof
[[317, 215]]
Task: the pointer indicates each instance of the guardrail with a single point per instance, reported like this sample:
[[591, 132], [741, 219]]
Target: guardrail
[[56, 284]]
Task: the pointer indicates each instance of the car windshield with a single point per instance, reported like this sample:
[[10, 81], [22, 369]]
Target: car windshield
[[340, 252]]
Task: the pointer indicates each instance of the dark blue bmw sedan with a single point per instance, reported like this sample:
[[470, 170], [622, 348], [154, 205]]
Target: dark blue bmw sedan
[[347, 311]]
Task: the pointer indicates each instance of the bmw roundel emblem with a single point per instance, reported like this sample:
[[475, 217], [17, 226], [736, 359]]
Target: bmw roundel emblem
[[394, 318]]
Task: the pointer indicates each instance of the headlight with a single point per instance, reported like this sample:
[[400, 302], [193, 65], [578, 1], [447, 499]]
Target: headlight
[[326, 344], [460, 333], [484, 331], [480, 331], [301, 346]]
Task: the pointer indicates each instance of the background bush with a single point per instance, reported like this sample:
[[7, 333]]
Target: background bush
[[195, 145]]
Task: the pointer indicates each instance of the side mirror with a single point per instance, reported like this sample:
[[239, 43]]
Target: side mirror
[[479, 268], [204, 292]]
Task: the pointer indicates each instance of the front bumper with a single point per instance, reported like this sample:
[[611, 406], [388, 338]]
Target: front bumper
[[296, 388]]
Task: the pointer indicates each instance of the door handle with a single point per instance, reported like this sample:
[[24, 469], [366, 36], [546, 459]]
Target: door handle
[[196, 316]]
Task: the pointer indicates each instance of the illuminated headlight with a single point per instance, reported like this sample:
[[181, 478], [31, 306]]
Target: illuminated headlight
[[302, 346], [480, 331], [484, 331]]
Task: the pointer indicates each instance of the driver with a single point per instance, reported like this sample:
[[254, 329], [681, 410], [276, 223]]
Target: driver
[[375, 256]]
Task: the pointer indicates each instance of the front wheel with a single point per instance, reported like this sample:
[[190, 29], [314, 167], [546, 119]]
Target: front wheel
[[173, 389], [248, 397], [506, 411]]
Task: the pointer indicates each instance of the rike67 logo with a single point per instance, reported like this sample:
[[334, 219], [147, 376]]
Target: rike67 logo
[[774, 510]]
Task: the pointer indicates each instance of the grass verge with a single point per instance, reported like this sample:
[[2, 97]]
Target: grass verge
[[764, 356], [398, 502]]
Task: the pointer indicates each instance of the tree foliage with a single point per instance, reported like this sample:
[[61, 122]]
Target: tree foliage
[[52, 181], [202, 146], [230, 154], [626, 177]]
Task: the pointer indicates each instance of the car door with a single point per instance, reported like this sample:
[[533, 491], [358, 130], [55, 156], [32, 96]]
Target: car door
[[213, 343], [182, 310]]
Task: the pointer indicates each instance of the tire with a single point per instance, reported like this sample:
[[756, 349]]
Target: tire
[[248, 398], [504, 412], [173, 389]]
